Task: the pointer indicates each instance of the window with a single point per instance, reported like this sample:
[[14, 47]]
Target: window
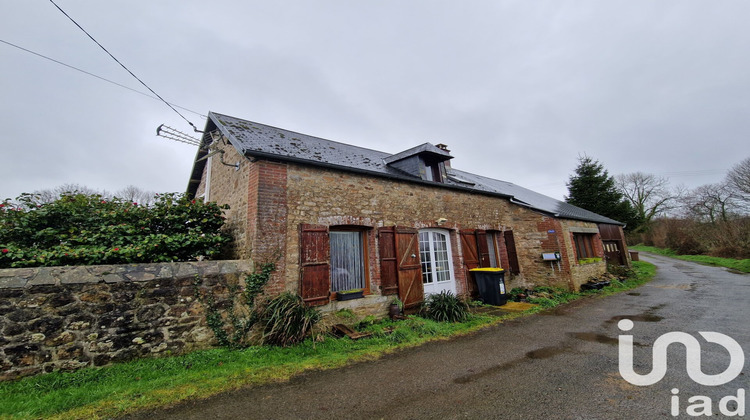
[[432, 172], [331, 260], [584, 245], [347, 260]]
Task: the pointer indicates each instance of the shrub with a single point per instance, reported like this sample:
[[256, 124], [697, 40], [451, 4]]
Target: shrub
[[445, 307], [79, 229], [287, 320]]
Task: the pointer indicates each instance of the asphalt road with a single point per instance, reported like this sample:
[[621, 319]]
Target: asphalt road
[[562, 364]]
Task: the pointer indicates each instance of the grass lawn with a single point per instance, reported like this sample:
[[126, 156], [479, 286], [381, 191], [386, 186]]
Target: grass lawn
[[739, 265], [96, 393]]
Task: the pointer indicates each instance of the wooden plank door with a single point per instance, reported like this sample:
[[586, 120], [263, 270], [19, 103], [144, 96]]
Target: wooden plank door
[[612, 252]]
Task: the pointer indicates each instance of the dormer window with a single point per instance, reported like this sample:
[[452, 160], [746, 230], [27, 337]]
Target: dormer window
[[426, 162]]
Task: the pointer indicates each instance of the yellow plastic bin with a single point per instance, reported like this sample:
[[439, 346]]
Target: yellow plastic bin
[[491, 285]]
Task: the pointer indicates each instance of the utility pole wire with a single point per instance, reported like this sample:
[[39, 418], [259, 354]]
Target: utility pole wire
[[123, 66], [93, 75]]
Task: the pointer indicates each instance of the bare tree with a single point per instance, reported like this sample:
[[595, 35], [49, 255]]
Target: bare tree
[[739, 179], [51, 194], [712, 203], [136, 195], [649, 195]]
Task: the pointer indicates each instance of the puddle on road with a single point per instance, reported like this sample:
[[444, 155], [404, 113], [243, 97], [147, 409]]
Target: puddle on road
[[647, 316], [538, 354], [642, 318], [487, 372], [594, 338], [634, 294], [546, 352], [599, 338]]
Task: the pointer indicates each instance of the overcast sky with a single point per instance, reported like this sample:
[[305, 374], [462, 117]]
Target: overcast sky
[[518, 90]]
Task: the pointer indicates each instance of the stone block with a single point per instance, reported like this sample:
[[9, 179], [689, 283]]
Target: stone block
[[13, 282], [77, 275], [150, 313], [43, 278]]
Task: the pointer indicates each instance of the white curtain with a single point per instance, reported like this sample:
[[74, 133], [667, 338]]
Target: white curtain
[[347, 261]]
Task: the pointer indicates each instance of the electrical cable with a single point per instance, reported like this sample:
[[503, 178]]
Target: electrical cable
[[94, 75], [123, 66]]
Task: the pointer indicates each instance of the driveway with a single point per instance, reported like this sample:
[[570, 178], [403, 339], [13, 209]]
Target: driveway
[[562, 364]]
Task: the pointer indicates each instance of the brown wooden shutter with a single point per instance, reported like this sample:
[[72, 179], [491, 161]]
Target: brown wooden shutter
[[410, 287], [483, 251], [471, 258], [315, 269], [510, 249], [388, 260]]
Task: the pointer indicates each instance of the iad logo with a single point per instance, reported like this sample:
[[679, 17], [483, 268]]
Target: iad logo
[[702, 405], [693, 356]]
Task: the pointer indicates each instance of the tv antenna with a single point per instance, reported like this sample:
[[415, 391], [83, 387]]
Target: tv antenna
[[211, 147], [172, 134]]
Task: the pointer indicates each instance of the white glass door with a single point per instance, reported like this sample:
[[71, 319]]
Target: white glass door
[[437, 261]]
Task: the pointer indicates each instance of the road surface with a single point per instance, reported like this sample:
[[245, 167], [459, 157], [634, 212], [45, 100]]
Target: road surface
[[562, 364]]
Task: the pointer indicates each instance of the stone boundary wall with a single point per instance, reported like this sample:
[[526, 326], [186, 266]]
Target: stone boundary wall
[[65, 318]]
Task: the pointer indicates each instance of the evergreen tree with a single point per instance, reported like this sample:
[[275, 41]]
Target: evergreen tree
[[592, 188]]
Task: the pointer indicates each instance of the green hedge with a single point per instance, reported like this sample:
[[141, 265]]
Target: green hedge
[[79, 229]]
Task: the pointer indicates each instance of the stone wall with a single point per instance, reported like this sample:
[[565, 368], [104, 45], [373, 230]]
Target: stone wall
[[64, 318], [231, 186], [329, 197]]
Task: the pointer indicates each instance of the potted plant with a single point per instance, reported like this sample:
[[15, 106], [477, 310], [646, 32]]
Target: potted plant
[[350, 294], [395, 308]]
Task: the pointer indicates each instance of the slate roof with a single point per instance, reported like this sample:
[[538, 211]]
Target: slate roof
[[262, 141]]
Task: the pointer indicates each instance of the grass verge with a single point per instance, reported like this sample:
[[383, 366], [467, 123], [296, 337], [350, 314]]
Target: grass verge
[[734, 264], [116, 390]]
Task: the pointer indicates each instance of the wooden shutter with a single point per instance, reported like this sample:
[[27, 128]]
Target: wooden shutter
[[510, 249], [315, 269], [483, 250], [470, 252], [410, 287], [388, 260]]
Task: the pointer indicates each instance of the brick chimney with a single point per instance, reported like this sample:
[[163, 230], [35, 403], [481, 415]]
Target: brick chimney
[[442, 146]]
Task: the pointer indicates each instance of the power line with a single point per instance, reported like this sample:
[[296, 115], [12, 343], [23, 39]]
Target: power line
[[94, 75], [123, 66]]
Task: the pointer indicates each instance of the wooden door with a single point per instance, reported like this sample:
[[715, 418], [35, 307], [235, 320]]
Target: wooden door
[[612, 253]]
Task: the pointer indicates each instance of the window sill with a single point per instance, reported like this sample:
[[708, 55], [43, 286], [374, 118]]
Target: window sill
[[350, 296]]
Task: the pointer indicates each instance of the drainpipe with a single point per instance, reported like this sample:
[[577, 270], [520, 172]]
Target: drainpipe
[[206, 194]]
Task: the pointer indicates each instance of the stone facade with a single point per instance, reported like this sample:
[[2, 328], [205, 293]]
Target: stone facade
[[282, 196], [64, 318]]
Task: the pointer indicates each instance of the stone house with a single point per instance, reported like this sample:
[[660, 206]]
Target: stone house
[[335, 217]]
